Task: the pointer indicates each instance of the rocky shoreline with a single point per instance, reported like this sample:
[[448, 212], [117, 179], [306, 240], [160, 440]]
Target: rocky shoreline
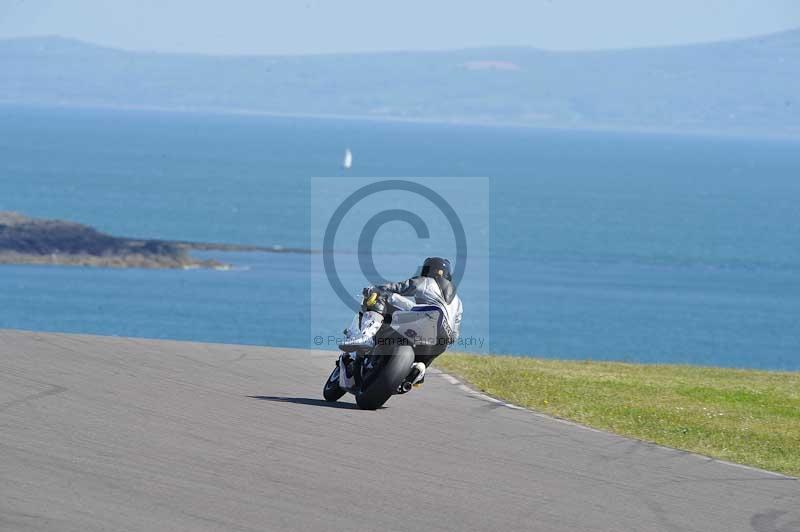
[[26, 240]]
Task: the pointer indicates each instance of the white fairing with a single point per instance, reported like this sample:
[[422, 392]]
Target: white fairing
[[420, 325], [353, 329], [371, 322], [363, 337]]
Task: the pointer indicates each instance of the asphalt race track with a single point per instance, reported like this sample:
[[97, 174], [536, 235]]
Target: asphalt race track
[[100, 433]]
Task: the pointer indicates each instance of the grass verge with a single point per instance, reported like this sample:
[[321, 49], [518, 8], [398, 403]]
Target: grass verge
[[744, 416]]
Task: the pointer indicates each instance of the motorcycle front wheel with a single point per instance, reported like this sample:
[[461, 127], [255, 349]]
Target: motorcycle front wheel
[[332, 391]]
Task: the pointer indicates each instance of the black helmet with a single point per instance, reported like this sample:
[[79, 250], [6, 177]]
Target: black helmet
[[436, 267]]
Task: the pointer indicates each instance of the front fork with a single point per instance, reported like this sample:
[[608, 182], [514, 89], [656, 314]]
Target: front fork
[[357, 363]]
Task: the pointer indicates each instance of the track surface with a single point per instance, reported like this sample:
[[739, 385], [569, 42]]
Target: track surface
[[125, 434]]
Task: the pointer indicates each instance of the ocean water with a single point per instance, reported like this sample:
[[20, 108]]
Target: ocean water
[[649, 248]]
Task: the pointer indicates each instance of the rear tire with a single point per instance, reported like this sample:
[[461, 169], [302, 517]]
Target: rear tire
[[332, 391], [391, 375]]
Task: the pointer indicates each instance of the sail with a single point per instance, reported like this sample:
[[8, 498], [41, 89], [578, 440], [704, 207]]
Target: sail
[[348, 159]]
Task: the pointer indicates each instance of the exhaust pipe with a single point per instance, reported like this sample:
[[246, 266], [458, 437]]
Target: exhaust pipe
[[406, 387]]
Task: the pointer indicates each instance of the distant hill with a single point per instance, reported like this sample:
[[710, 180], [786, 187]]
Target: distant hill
[[749, 85]]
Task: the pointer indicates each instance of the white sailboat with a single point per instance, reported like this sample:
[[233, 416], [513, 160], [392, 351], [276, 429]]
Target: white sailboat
[[348, 159]]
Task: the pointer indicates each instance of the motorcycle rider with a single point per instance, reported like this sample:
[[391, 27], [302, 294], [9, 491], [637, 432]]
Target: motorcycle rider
[[433, 286]]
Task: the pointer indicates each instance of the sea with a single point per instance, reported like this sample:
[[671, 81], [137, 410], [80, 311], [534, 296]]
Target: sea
[[639, 247]]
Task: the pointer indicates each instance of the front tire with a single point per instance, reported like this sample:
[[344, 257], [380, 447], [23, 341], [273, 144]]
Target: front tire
[[373, 394], [332, 392]]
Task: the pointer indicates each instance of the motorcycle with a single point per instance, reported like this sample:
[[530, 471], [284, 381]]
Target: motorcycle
[[386, 369]]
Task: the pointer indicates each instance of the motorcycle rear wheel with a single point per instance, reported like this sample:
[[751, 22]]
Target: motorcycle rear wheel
[[394, 366]]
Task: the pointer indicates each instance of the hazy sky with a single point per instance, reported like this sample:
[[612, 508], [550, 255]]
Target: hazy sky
[[313, 26]]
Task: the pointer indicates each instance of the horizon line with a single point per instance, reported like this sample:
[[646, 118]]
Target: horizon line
[[88, 43]]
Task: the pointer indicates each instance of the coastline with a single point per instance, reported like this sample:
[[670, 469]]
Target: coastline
[[732, 134], [132, 260]]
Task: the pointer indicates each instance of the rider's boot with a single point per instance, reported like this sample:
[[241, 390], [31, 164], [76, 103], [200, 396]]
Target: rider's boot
[[364, 340], [420, 378], [414, 379]]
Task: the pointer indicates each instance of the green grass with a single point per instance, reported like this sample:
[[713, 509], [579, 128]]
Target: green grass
[[744, 416]]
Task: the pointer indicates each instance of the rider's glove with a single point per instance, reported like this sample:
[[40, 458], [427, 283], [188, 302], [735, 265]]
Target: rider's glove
[[373, 300]]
